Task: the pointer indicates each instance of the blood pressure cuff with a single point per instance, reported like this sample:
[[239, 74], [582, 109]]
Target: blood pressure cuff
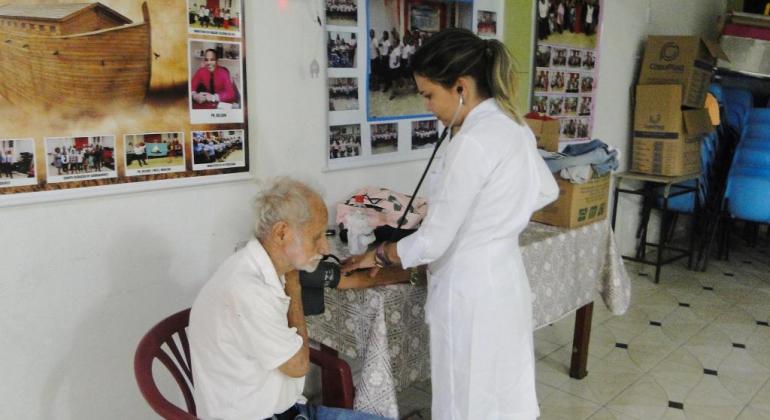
[[313, 284]]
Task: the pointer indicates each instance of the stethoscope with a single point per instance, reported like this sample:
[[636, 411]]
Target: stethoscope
[[444, 134]]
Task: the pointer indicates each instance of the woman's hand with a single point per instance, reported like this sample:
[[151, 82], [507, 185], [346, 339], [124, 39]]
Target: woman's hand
[[358, 262]]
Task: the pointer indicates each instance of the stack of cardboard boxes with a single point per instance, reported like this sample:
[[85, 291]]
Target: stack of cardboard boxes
[[669, 119], [578, 204]]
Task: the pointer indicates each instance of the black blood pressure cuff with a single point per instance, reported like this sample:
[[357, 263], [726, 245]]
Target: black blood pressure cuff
[[313, 284]]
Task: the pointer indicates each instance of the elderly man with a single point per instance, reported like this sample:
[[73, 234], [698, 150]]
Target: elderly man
[[248, 338]]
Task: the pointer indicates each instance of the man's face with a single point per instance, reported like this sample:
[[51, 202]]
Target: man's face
[[309, 240], [210, 61]]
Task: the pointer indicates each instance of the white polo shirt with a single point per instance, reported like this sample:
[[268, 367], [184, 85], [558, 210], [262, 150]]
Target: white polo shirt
[[239, 336]]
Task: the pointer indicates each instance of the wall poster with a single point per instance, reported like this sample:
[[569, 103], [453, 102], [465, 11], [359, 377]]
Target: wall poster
[[120, 95], [566, 59], [375, 113]]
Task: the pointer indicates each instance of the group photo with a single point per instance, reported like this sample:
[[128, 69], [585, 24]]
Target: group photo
[[567, 22], [342, 12], [214, 16], [396, 28], [344, 141], [424, 134], [212, 147], [160, 150], [341, 49], [343, 93], [17, 160], [73, 156], [384, 138]]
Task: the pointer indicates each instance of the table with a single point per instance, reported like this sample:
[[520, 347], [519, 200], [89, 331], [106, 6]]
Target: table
[[384, 327], [650, 194]]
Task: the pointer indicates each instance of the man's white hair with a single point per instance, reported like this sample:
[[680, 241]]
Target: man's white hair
[[282, 199]]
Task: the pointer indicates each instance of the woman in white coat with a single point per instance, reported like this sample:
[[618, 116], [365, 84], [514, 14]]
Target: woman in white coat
[[482, 190]]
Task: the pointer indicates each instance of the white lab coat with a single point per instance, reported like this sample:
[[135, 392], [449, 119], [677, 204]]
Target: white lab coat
[[482, 190]]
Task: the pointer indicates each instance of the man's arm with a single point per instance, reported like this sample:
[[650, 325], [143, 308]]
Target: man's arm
[[225, 89], [391, 275], [299, 364]]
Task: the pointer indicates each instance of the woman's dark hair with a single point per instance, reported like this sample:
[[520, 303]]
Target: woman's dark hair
[[453, 53]]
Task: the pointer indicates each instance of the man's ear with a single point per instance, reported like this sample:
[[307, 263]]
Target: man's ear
[[281, 232]]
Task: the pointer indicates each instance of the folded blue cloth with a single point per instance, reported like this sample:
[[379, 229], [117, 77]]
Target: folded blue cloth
[[595, 153]]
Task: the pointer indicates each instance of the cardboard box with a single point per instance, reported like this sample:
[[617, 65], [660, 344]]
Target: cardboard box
[[684, 60], [546, 131], [578, 204], [667, 138]]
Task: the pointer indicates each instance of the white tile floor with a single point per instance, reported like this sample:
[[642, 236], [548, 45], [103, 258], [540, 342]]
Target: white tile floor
[[694, 346]]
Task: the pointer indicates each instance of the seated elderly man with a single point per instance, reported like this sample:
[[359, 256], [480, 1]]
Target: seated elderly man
[[248, 339]]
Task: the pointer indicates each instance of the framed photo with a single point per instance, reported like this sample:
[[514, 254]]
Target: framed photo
[[17, 163], [344, 141], [218, 149], [341, 49], [343, 93], [486, 23], [375, 113], [221, 18], [342, 12], [216, 82], [393, 39], [141, 77], [384, 138], [153, 153]]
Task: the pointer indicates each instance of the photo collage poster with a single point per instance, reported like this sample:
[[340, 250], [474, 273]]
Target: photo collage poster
[[375, 114], [120, 92], [566, 59]]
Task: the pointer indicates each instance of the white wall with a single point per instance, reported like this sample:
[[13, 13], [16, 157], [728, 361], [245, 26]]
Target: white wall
[[81, 281], [626, 24]]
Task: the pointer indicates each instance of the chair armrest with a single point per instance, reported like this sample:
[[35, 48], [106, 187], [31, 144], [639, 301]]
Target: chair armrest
[[336, 379]]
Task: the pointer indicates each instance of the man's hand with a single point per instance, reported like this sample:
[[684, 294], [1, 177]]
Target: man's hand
[[358, 262], [199, 97]]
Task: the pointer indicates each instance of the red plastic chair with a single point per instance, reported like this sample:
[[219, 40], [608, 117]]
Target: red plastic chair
[[336, 380]]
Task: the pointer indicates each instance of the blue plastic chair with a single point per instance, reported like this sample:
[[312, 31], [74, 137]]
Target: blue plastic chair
[[738, 104], [758, 116], [742, 195]]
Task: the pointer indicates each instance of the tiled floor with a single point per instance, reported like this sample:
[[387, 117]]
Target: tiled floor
[[695, 346]]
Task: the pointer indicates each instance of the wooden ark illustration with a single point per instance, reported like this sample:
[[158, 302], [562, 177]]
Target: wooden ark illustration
[[74, 58]]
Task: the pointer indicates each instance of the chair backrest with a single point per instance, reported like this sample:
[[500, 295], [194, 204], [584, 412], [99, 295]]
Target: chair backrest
[[156, 344]]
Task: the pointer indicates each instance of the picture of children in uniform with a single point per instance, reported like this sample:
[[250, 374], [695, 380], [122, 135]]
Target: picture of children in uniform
[[343, 93], [344, 141], [424, 134], [341, 49], [384, 138], [567, 22], [396, 29], [342, 12]]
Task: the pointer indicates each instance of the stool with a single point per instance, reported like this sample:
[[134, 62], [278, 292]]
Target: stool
[[648, 192]]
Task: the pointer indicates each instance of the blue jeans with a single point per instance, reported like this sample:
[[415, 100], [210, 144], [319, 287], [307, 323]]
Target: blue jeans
[[318, 412]]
